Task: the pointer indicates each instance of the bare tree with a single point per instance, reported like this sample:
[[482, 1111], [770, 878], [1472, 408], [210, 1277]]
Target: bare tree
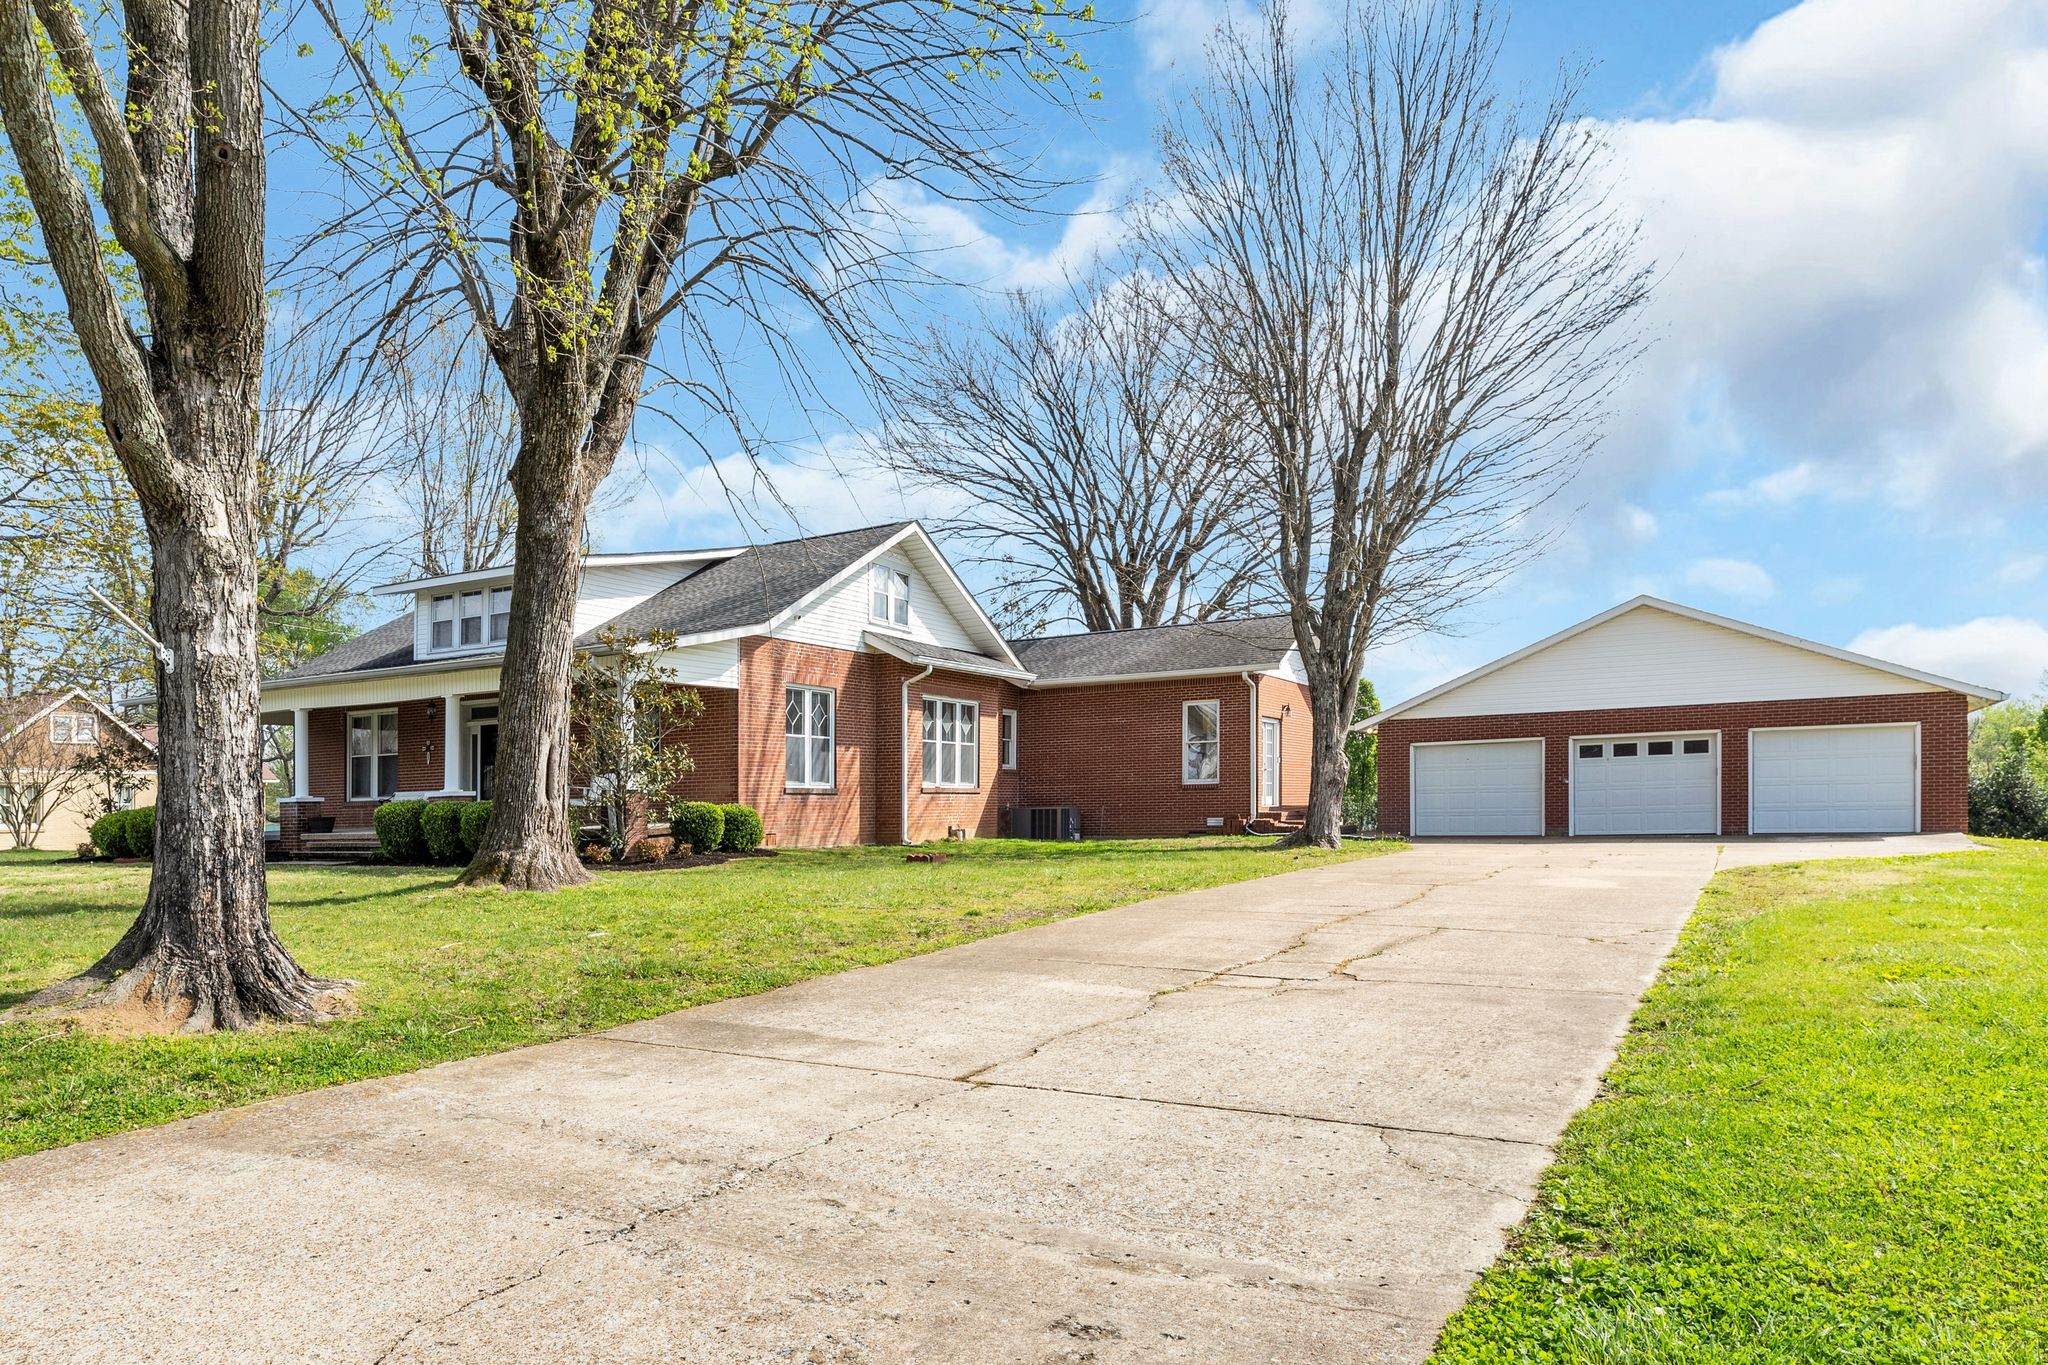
[[1099, 463], [587, 180], [182, 179], [1420, 297], [457, 432]]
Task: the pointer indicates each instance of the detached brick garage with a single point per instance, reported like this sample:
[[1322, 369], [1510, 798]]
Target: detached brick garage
[[1657, 718]]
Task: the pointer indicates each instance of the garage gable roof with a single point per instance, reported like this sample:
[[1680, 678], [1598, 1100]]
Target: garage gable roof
[[1978, 696]]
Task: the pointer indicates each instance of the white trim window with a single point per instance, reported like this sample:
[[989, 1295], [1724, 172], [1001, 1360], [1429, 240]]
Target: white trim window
[[952, 747], [74, 727], [1006, 739], [372, 755], [1201, 743], [441, 616], [807, 737], [501, 615], [889, 595], [472, 618]]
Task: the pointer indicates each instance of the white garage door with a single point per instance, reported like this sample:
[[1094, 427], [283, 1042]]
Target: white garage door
[[1646, 784], [1845, 779], [1490, 788]]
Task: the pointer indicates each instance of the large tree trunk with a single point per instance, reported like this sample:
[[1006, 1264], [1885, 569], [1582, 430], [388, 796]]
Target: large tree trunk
[[529, 845], [202, 954], [1329, 767]]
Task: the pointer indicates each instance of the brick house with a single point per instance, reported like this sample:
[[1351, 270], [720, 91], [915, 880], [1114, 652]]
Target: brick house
[[1658, 718], [854, 692]]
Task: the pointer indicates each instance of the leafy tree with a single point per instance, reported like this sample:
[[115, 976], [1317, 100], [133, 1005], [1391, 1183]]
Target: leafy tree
[[625, 710], [116, 763], [179, 163], [2009, 801], [587, 180], [1362, 777]]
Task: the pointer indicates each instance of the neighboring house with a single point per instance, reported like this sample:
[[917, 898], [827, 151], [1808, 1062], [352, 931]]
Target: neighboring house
[[1656, 718], [41, 735], [854, 692]]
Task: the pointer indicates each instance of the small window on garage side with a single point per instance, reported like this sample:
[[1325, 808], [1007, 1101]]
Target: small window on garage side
[[1625, 750], [1659, 748], [1592, 751], [1698, 746]]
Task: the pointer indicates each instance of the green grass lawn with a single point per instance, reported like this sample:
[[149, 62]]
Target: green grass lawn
[[448, 973], [1826, 1138]]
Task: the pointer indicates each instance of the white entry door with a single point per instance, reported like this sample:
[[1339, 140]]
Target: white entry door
[[1269, 762], [1493, 787], [1839, 779], [1646, 784]]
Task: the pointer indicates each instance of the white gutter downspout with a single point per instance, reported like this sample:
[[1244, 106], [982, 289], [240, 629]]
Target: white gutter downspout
[[1253, 684], [903, 715]]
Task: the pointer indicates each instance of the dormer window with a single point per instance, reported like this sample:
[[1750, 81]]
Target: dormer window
[[444, 622], [889, 595], [469, 620]]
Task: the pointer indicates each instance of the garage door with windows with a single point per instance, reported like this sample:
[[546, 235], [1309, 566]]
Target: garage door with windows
[[1835, 779], [1490, 787], [1646, 784]]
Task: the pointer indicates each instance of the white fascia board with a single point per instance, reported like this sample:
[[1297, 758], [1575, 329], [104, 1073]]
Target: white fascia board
[[1230, 671], [589, 562], [912, 653], [1982, 696]]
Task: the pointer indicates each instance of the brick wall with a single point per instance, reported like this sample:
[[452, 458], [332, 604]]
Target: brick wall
[[863, 767], [1287, 702], [935, 810], [713, 741], [1944, 745], [1115, 752]]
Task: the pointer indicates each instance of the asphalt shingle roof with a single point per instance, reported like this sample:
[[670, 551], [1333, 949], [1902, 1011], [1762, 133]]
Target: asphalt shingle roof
[[749, 588], [1252, 643]]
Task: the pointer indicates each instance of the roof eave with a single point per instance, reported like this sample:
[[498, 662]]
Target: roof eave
[[908, 652]]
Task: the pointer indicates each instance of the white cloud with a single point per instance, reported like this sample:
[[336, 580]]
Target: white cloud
[[1833, 592], [1849, 236], [663, 502], [2020, 570], [1737, 578], [1176, 32], [954, 241], [1639, 525], [2006, 652]]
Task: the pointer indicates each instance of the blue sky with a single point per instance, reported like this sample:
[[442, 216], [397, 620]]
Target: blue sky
[[1842, 428]]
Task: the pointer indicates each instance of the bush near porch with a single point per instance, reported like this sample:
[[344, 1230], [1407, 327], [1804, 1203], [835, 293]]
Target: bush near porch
[[1825, 1139], [450, 973]]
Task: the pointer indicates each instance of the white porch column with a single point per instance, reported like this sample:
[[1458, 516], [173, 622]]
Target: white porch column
[[451, 743], [302, 754]]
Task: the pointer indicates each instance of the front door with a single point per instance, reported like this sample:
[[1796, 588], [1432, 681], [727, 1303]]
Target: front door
[[483, 757], [1269, 763]]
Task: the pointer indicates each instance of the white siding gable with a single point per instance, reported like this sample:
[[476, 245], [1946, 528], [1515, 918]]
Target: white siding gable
[[608, 589], [1648, 657], [840, 616]]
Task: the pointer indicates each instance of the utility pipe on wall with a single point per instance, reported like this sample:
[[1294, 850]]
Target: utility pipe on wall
[[903, 716]]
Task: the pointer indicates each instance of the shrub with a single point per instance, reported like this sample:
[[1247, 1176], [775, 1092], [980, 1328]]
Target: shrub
[[743, 829], [653, 849], [475, 815], [399, 836], [2008, 802], [138, 832], [699, 824], [110, 834], [441, 828]]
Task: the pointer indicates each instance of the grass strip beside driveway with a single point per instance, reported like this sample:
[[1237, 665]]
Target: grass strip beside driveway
[[1825, 1139], [448, 973]]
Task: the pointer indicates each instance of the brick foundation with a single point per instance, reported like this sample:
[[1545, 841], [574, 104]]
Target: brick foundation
[[1944, 742]]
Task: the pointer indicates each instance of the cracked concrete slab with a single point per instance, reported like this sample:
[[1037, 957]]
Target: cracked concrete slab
[[1284, 1120]]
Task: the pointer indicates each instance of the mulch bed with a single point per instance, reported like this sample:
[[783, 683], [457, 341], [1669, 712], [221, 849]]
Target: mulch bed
[[675, 861]]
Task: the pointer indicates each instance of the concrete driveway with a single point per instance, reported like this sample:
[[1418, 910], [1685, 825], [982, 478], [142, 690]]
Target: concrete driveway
[[1284, 1120]]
